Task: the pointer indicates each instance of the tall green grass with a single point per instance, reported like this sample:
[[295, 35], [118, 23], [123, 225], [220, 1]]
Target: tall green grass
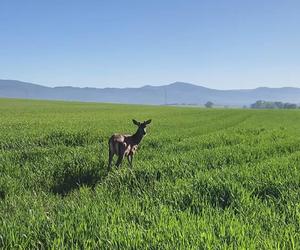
[[202, 179]]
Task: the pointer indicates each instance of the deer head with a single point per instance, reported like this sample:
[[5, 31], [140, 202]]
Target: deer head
[[141, 126]]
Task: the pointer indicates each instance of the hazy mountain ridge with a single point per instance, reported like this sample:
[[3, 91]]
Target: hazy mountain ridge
[[174, 93]]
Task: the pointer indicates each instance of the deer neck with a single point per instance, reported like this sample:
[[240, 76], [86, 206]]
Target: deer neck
[[137, 137]]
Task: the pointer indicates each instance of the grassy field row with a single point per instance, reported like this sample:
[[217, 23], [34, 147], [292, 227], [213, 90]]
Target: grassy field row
[[202, 178]]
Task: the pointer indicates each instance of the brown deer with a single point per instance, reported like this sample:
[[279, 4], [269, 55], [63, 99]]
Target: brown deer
[[126, 145]]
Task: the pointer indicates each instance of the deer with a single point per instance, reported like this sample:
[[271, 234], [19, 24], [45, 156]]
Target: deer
[[126, 145]]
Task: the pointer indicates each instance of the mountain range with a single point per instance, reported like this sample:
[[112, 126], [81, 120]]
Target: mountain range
[[171, 94]]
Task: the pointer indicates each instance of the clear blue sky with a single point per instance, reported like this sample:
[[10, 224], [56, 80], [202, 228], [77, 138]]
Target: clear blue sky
[[221, 44]]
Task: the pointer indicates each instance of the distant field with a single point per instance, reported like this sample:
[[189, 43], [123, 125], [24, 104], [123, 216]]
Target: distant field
[[202, 178]]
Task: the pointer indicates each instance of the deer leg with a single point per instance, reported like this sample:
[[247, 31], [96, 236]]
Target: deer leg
[[110, 158], [129, 158], [119, 161], [121, 154]]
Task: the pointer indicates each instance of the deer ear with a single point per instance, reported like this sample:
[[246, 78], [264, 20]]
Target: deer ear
[[148, 122], [136, 122]]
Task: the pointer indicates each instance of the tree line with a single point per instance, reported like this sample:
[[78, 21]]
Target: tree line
[[273, 105]]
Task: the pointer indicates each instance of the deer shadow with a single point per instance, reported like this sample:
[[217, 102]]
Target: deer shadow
[[69, 177]]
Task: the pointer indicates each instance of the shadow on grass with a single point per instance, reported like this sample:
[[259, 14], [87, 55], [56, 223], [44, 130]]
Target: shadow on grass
[[71, 176], [2, 194], [221, 198], [268, 192], [219, 195]]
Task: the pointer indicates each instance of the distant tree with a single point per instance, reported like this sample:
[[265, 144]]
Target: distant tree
[[290, 106], [209, 104], [279, 105], [272, 105], [269, 105], [257, 105]]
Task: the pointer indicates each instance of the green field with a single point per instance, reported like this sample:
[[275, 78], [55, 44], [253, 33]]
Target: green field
[[202, 178]]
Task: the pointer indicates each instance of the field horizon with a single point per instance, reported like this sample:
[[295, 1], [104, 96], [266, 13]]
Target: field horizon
[[201, 179]]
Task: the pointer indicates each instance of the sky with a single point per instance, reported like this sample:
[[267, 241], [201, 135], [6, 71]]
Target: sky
[[222, 44]]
